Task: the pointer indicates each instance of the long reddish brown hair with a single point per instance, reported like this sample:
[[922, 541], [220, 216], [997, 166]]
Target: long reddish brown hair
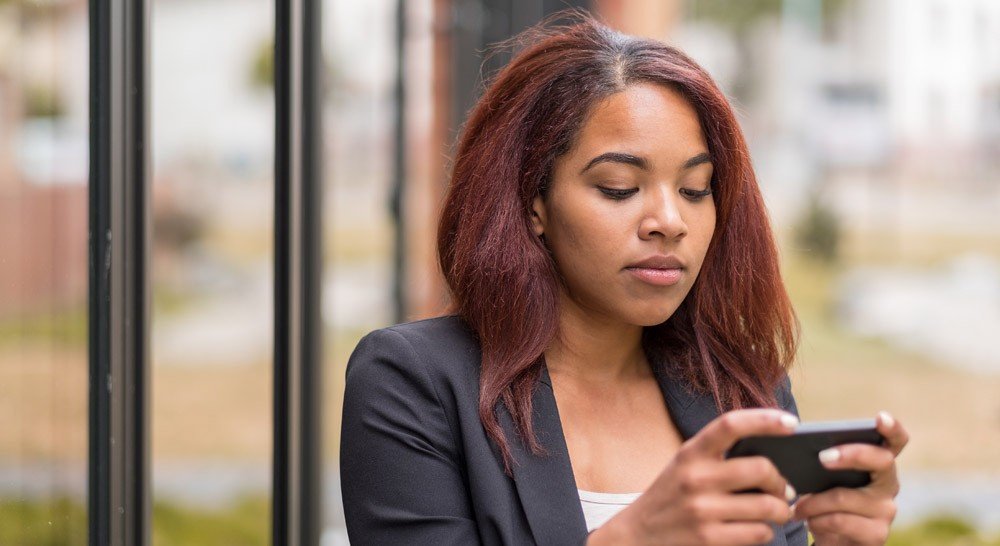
[[734, 335]]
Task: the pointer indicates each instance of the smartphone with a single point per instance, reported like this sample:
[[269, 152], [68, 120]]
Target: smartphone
[[797, 456]]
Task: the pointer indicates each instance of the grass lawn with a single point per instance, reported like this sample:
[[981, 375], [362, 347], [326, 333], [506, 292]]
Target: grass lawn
[[246, 522]]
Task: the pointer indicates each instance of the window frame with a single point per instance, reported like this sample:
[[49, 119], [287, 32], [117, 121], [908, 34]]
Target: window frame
[[118, 473]]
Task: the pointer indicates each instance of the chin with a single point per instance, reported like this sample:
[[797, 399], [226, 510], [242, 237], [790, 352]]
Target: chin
[[652, 316]]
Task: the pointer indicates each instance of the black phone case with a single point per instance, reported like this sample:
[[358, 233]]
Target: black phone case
[[797, 456]]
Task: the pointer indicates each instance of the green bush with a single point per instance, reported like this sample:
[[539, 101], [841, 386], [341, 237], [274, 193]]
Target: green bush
[[817, 233], [945, 530], [43, 102], [262, 66]]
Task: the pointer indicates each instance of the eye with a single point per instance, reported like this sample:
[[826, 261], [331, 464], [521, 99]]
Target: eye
[[695, 195], [618, 194]]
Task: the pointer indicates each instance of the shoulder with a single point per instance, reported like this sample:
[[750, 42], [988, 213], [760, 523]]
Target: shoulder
[[439, 337], [402, 394], [434, 334], [432, 348], [784, 396]]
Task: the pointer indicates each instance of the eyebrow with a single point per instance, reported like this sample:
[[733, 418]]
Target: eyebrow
[[641, 162]]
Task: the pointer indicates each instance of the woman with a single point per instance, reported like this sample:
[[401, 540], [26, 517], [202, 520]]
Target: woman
[[618, 308]]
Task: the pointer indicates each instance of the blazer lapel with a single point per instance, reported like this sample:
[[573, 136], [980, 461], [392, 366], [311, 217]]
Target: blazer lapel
[[546, 485], [689, 410]]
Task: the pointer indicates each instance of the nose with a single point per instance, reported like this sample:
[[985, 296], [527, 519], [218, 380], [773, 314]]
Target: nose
[[661, 216]]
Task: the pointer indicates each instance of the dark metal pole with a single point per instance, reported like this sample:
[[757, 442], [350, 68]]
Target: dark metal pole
[[118, 295], [397, 198], [296, 473], [284, 323], [311, 384]]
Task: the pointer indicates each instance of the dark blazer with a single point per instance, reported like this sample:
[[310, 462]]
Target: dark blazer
[[416, 465]]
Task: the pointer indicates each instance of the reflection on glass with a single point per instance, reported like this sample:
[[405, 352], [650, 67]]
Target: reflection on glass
[[43, 272], [212, 131]]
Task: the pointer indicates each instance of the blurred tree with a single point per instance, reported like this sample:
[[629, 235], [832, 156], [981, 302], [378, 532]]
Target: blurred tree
[[42, 101], [176, 228], [818, 232], [261, 73], [262, 68]]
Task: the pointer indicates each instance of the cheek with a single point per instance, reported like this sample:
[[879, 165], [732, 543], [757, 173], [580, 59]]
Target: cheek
[[587, 238], [702, 230], [587, 244]]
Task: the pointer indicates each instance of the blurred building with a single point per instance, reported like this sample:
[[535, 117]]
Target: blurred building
[[43, 156], [874, 99], [930, 69]]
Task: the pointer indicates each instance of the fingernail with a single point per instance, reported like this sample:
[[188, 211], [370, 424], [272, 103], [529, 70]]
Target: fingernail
[[788, 420], [829, 455], [789, 493], [886, 419]]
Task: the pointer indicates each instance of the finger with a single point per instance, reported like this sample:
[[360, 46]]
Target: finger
[[857, 457], [720, 435], [880, 461], [895, 435], [841, 499], [735, 533], [742, 473], [851, 526], [747, 508]]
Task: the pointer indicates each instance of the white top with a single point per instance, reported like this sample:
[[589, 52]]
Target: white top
[[600, 507]]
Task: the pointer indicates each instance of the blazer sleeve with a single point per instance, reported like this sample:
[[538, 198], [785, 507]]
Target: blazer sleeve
[[400, 470], [795, 531]]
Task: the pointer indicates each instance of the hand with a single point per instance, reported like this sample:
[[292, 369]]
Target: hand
[[857, 516], [694, 499]]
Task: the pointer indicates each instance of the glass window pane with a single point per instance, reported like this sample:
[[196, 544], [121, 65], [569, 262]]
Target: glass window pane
[[43, 272], [212, 114]]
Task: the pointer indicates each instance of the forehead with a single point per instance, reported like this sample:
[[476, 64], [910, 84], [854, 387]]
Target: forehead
[[648, 119]]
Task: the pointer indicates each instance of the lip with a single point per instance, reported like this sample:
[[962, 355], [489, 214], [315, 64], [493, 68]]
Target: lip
[[659, 261], [659, 270]]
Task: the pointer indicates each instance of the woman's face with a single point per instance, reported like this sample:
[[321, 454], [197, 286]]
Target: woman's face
[[629, 215]]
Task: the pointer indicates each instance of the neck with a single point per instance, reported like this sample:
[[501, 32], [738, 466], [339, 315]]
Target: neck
[[594, 347]]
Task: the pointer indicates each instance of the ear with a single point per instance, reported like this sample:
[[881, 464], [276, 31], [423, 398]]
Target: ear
[[538, 215]]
